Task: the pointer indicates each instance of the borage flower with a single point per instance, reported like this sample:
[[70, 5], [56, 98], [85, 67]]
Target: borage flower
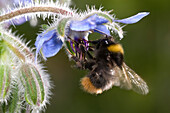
[[71, 30], [49, 43]]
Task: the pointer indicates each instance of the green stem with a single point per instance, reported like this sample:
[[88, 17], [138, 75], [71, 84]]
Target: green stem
[[15, 51], [8, 39]]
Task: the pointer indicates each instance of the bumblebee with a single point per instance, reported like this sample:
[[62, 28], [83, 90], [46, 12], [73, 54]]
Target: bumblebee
[[107, 69]]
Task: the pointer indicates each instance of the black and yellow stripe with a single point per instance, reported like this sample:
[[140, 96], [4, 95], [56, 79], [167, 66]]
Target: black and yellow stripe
[[115, 48], [89, 87]]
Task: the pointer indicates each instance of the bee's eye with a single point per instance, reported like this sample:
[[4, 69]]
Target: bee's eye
[[106, 41]]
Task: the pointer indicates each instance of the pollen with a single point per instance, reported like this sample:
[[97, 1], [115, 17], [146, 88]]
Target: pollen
[[115, 48], [89, 87]]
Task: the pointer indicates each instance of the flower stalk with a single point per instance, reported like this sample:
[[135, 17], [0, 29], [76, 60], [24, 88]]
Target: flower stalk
[[37, 8], [16, 45]]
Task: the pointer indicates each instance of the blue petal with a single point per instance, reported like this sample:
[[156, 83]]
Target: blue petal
[[22, 1], [102, 29], [133, 19], [44, 36], [81, 25], [22, 19], [87, 24], [49, 43], [98, 20], [52, 47], [19, 21]]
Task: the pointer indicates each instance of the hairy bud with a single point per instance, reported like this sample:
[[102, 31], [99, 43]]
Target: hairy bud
[[34, 85]]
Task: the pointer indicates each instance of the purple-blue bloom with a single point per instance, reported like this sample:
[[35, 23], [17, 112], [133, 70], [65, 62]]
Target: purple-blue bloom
[[133, 19], [93, 22], [102, 29], [22, 1], [48, 43], [19, 21]]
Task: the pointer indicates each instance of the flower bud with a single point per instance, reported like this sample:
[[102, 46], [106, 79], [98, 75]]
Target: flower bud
[[33, 84]]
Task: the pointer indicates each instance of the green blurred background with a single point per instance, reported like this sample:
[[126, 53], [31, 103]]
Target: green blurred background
[[146, 46]]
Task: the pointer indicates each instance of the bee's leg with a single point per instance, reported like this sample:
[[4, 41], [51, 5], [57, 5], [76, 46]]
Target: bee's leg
[[79, 64], [90, 56], [91, 48], [76, 59], [84, 64], [89, 64]]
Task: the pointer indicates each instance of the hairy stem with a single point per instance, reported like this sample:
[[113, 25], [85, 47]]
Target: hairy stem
[[33, 9], [8, 38], [15, 51]]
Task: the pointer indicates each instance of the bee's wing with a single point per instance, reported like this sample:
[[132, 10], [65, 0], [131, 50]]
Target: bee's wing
[[133, 81], [122, 80]]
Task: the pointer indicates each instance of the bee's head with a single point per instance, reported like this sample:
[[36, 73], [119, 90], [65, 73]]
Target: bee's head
[[111, 45], [105, 43]]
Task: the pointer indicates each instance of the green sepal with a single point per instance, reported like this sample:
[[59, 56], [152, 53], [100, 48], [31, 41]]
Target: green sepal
[[29, 84], [40, 83], [44, 26], [69, 47], [33, 84], [61, 26], [13, 106], [5, 81]]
